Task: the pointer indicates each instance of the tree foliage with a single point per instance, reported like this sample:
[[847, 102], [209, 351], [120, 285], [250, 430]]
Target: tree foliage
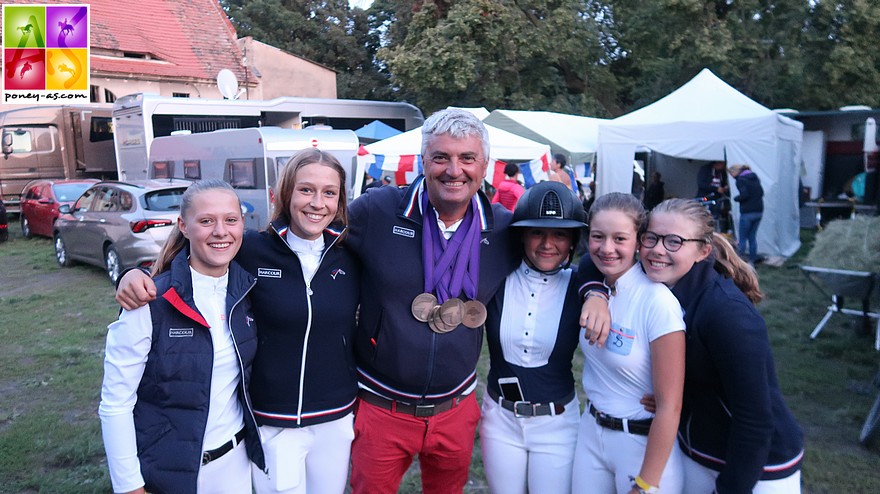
[[324, 31], [525, 54], [590, 57]]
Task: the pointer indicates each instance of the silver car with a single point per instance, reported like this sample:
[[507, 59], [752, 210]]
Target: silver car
[[118, 225]]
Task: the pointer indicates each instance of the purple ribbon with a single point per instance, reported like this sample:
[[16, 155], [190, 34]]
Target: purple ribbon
[[453, 265]]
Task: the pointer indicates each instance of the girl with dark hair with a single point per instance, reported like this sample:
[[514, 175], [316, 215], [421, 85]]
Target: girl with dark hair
[[621, 447], [530, 410], [174, 410], [304, 384], [736, 431]]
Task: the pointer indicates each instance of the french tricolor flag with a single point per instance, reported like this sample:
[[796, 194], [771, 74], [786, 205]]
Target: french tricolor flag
[[406, 168]]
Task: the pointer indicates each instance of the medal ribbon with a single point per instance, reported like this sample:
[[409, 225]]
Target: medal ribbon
[[461, 253]]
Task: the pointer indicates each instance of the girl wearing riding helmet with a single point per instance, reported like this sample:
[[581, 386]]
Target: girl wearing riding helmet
[[530, 410], [621, 447], [737, 433]]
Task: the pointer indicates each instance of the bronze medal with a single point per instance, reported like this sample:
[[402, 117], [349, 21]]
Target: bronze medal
[[422, 306], [451, 312], [436, 323], [474, 314]]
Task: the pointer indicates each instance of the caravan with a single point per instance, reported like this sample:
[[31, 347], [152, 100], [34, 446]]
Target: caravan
[[140, 118], [251, 160]]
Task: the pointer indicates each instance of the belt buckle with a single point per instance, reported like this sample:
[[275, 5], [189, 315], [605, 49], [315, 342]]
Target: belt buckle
[[206, 458], [424, 411], [530, 409]]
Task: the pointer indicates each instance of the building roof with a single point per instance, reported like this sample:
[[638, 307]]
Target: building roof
[[185, 40]]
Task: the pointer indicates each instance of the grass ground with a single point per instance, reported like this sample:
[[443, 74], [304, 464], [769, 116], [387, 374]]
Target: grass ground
[[52, 327]]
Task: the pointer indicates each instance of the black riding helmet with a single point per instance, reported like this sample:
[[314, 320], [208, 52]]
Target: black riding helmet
[[551, 205]]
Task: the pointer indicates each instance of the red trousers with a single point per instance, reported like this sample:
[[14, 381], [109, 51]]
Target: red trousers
[[386, 442]]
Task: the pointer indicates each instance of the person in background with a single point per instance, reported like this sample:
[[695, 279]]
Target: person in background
[[174, 411], [509, 190], [622, 447], [304, 384], [656, 191], [559, 172], [751, 209], [736, 431], [712, 187], [530, 410]]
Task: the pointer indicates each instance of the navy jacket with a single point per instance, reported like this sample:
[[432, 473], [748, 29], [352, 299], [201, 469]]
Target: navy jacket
[[171, 412], [734, 418], [398, 356], [751, 194], [304, 373]]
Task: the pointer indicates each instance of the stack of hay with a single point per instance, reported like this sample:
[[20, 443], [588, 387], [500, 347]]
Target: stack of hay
[[848, 244]]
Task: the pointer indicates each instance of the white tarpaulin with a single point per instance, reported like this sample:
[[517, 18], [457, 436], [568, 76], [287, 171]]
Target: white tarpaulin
[[503, 146], [707, 119], [574, 136]]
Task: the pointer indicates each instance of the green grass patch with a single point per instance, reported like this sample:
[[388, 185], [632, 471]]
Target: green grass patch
[[53, 323]]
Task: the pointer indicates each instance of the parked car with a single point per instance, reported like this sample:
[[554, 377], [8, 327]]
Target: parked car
[[118, 225], [41, 199]]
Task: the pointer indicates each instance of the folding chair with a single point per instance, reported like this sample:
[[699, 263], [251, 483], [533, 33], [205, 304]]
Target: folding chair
[[844, 283]]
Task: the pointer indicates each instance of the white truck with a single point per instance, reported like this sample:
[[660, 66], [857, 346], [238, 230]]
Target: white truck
[[139, 118], [251, 160]]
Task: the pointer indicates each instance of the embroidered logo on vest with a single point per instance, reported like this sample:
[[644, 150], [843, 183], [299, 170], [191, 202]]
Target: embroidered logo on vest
[[180, 332], [403, 232], [268, 273], [336, 272]]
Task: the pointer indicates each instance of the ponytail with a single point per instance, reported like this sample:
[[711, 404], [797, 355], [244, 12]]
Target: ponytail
[[175, 243], [730, 264]]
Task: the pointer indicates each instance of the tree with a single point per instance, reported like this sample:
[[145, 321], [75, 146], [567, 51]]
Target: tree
[[327, 32], [525, 54]]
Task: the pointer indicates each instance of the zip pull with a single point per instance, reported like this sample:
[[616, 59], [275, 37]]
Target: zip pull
[[309, 288]]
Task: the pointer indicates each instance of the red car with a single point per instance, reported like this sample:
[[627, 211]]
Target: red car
[[41, 200]]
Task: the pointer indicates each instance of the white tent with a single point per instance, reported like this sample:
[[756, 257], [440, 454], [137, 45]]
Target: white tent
[[503, 146], [575, 136], [705, 120]]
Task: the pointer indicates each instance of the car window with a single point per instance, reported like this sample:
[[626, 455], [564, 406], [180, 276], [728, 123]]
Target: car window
[[164, 200], [69, 192], [32, 193], [107, 201], [83, 203], [125, 201]]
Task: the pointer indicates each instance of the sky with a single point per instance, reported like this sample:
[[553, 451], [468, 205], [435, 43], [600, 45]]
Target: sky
[[364, 4]]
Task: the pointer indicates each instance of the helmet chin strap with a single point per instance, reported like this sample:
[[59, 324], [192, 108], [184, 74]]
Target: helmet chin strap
[[554, 270]]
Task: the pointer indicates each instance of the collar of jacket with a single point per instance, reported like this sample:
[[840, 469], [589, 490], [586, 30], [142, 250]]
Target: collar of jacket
[[411, 210], [693, 284], [180, 291], [331, 233]]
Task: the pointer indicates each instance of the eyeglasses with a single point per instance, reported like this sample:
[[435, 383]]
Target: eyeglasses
[[672, 242]]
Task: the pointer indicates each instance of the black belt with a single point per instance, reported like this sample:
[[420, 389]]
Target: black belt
[[410, 409], [209, 456], [527, 408], [640, 427]]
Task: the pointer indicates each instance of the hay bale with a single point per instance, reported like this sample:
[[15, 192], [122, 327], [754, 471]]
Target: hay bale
[[852, 244]]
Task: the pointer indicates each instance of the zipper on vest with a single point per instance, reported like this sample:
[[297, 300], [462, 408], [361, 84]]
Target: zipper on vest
[[244, 391]]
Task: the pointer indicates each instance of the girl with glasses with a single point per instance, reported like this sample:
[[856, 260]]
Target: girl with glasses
[[736, 431], [621, 447]]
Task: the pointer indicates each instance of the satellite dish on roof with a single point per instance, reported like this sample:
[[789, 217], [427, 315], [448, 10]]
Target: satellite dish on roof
[[227, 83]]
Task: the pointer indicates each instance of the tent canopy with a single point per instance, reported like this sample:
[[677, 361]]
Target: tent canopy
[[376, 131], [705, 120], [402, 153], [571, 135]]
